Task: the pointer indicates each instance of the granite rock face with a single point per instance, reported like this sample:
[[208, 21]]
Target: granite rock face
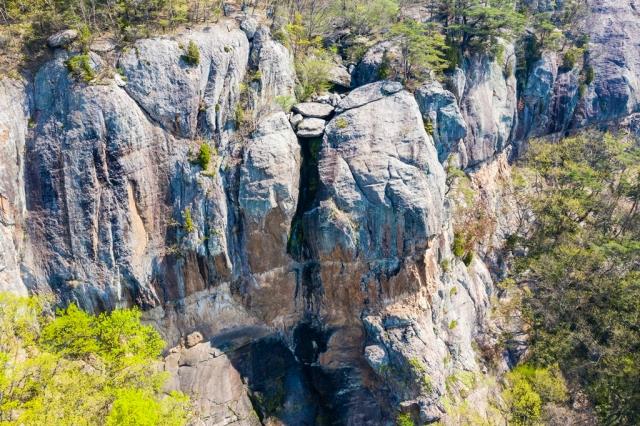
[[307, 267], [175, 93], [14, 119], [488, 106], [440, 111]]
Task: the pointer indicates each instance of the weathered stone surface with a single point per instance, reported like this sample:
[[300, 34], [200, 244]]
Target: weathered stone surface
[[488, 106], [193, 339], [268, 197], [367, 94], [14, 117], [62, 38], [175, 93], [249, 25], [295, 120], [383, 185], [313, 109], [440, 110], [310, 128], [368, 69], [339, 76], [220, 397], [275, 62]]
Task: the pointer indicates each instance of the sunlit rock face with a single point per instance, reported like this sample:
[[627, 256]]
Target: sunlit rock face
[[313, 254]]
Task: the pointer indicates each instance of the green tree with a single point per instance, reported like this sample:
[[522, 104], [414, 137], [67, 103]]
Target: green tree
[[479, 25], [583, 267], [79, 369], [422, 49]]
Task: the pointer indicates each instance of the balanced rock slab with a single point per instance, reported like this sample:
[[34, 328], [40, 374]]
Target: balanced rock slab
[[313, 109]]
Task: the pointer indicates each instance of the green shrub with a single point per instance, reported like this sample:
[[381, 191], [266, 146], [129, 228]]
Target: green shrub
[[80, 67], [77, 368], [313, 75], [188, 226], [341, 123], [458, 245], [404, 419], [192, 57], [453, 291], [590, 75], [453, 324], [428, 126], [204, 156], [571, 58], [286, 102], [468, 258]]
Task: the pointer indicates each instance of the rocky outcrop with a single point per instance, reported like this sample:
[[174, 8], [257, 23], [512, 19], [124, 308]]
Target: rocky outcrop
[[174, 93], [14, 124], [488, 106], [442, 115]]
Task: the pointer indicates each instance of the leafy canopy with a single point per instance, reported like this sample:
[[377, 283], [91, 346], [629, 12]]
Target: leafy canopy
[[583, 267], [79, 369]]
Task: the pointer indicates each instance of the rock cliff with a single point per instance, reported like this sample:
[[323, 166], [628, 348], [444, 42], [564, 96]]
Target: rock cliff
[[313, 254]]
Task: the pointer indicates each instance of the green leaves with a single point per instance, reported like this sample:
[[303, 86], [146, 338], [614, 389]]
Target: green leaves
[[583, 265], [80, 369]]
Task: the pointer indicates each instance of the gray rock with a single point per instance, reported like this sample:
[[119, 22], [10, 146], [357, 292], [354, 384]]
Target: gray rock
[[489, 107], [14, 113], [368, 69], [439, 108], [376, 357], [103, 45], [339, 76], [249, 25], [174, 93], [311, 128], [275, 62], [193, 339], [295, 120], [382, 181], [313, 109], [367, 94], [268, 197], [62, 38]]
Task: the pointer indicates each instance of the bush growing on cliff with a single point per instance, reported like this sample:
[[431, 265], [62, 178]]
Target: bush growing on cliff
[[192, 57], [80, 67], [76, 368]]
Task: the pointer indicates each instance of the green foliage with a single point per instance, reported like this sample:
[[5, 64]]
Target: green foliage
[[428, 126], [571, 58], [458, 245], [480, 25], [192, 57], [341, 123], [422, 48], [453, 324], [188, 226], [364, 17], [79, 369], [204, 156], [80, 67], [582, 267], [286, 102], [528, 389], [313, 76], [468, 258], [590, 75], [404, 419]]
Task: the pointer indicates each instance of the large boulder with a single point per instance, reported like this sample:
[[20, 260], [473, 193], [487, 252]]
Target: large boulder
[[489, 106]]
